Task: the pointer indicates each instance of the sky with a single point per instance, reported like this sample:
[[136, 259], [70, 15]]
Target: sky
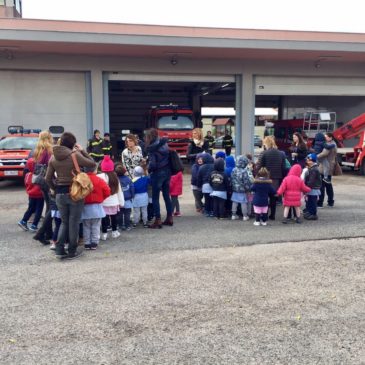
[[309, 15]]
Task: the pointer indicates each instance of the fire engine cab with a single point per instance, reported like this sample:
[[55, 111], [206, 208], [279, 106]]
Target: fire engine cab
[[15, 149], [174, 123]]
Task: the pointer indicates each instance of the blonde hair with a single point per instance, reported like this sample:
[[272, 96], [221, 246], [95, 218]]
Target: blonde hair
[[269, 142], [199, 132], [45, 142]]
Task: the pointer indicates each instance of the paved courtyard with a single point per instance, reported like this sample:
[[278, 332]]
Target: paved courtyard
[[202, 292]]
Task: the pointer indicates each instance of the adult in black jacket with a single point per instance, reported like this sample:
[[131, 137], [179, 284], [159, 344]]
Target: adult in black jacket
[[106, 146], [299, 150], [94, 147], [211, 141], [274, 161], [227, 143], [197, 145]]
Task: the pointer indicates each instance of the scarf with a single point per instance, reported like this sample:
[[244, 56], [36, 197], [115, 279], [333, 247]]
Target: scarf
[[198, 143]]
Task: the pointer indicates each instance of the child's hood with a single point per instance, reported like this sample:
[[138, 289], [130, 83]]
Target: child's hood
[[219, 165], [207, 158], [242, 162], [230, 163], [295, 170], [319, 137], [199, 155]]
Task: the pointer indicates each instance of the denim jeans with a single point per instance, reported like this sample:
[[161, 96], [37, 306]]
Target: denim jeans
[[311, 204], [70, 215], [218, 207], [160, 181], [35, 205], [124, 217]]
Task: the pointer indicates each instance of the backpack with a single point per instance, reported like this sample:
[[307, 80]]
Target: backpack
[[175, 162], [81, 185]]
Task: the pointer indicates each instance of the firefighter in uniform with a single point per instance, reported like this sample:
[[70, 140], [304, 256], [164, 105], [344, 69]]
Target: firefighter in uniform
[[106, 145], [94, 147], [227, 143], [211, 141]]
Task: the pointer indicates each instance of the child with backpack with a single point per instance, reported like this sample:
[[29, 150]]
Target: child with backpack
[[140, 201], [114, 202], [292, 188], [176, 185], [262, 189], [35, 200], [241, 181], [124, 216], [219, 182], [93, 211]]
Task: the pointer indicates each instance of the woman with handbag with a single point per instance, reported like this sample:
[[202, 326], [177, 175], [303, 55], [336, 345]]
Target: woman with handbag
[[62, 164]]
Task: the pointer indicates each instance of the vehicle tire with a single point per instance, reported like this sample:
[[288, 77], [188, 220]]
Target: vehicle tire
[[362, 168]]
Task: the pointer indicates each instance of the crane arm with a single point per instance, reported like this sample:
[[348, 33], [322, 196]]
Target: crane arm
[[351, 129]]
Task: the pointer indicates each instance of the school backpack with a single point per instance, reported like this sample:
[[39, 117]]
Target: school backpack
[[176, 164]]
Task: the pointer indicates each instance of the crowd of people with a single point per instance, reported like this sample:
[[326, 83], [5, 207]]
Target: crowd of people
[[125, 192]]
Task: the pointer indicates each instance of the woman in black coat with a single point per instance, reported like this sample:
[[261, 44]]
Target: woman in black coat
[[197, 145], [299, 150]]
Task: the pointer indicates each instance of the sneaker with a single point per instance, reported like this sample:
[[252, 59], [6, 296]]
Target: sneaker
[[245, 218], [271, 217], [211, 214], [285, 221], [115, 234], [94, 246], [52, 246], [23, 225], [298, 220], [256, 223], [263, 223], [311, 217], [61, 254], [319, 206], [129, 228], [145, 225], [134, 225], [74, 255], [123, 228], [234, 217], [33, 228], [330, 205], [87, 246], [104, 236], [177, 214]]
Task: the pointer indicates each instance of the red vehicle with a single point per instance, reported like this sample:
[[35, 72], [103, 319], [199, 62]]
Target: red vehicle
[[174, 123], [15, 149], [350, 138], [309, 126]]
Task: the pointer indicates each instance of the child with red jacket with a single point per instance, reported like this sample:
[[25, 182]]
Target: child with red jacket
[[176, 185], [35, 200], [292, 188], [93, 210]]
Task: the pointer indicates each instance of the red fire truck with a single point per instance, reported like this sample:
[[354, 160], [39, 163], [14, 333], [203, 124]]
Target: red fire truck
[[15, 149], [351, 142], [174, 123], [312, 123]]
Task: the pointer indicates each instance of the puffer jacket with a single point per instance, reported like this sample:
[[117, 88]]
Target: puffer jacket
[[313, 177], [318, 143], [292, 187], [241, 178], [205, 170], [100, 192], [195, 170], [176, 184], [33, 190], [158, 155], [274, 161], [230, 165], [262, 189], [219, 180]]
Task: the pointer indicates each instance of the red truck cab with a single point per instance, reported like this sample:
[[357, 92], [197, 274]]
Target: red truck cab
[[174, 123], [15, 149]]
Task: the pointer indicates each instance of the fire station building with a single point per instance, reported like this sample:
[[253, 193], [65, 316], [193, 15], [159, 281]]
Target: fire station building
[[87, 76]]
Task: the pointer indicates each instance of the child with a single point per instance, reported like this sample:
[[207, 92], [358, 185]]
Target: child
[[219, 182], [140, 201], [124, 216], [197, 192], [312, 178], [93, 211], [251, 168], [176, 185], [262, 188], [56, 216], [203, 183], [292, 188], [319, 145], [230, 165], [241, 180], [114, 202], [35, 200]]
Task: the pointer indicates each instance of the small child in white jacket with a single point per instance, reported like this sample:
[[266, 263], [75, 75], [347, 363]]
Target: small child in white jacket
[[115, 201]]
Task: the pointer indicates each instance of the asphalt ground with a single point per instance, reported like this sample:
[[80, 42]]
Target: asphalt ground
[[201, 292]]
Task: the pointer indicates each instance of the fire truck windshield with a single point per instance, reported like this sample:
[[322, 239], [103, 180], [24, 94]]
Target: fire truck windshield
[[178, 122], [18, 143]]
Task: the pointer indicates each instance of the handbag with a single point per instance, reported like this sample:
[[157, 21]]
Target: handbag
[[38, 177], [81, 185], [337, 170]]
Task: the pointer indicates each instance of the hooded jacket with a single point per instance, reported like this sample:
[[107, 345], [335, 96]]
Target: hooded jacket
[[194, 150], [230, 165], [292, 187], [241, 178], [61, 163], [219, 180], [100, 192], [205, 170], [318, 143], [262, 189], [127, 187], [313, 177], [195, 170], [158, 155]]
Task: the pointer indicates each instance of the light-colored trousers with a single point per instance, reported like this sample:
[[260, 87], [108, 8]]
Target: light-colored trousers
[[91, 230], [137, 214]]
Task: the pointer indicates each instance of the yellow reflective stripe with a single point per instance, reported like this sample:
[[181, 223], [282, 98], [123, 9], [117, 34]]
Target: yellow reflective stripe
[[96, 143], [97, 154]]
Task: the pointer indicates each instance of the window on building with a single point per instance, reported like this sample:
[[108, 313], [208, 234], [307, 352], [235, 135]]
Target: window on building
[[2, 2]]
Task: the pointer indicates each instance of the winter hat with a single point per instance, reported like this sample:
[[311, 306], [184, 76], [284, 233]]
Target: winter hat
[[312, 156], [107, 165], [138, 171], [220, 154]]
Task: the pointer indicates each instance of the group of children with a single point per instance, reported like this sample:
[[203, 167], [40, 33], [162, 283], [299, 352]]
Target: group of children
[[228, 185], [110, 204]]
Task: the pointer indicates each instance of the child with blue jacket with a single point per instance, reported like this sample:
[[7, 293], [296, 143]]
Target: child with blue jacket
[[203, 183], [140, 201], [124, 215], [197, 192]]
